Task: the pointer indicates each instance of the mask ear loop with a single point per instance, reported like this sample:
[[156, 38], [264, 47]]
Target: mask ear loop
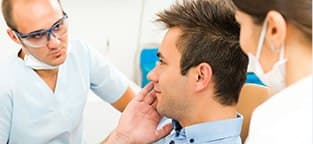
[[282, 50], [261, 40], [274, 49]]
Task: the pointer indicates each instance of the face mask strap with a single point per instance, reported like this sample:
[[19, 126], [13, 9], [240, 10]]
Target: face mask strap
[[282, 52]]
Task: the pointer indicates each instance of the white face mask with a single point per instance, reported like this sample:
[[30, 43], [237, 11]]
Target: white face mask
[[34, 63], [275, 78]]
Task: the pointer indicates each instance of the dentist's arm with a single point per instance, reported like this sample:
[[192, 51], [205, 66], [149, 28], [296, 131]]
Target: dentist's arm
[[138, 123]]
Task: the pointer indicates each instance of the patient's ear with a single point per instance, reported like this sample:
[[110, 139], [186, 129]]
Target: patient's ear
[[204, 75]]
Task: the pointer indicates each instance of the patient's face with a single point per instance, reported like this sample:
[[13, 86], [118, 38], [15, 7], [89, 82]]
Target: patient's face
[[171, 86]]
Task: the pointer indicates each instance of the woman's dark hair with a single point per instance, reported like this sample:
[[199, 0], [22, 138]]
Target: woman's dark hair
[[296, 12]]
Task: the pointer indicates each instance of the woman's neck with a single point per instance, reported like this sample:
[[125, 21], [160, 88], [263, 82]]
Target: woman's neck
[[299, 57]]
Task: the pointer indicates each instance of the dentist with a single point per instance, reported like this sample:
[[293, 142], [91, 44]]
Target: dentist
[[44, 87]]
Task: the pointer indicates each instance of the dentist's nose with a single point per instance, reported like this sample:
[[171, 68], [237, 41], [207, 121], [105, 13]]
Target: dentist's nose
[[53, 41]]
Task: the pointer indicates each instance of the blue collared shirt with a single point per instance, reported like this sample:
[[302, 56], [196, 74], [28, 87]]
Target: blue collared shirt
[[216, 132]]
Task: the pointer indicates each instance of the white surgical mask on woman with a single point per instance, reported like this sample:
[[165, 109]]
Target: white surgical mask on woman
[[275, 78]]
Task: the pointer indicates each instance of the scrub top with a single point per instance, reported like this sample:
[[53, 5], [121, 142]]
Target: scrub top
[[30, 112], [285, 118]]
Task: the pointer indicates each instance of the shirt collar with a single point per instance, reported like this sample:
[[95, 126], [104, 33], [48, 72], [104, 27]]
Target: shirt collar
[[210, 131]]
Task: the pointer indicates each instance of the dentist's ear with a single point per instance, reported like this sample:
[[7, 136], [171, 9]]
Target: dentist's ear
[[13, 36], [277, 30], [204, 76]]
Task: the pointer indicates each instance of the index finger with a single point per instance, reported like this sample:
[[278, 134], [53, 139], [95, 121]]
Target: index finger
[[144, 92]]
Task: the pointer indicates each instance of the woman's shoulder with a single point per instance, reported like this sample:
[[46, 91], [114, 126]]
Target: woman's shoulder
[[293, 97]]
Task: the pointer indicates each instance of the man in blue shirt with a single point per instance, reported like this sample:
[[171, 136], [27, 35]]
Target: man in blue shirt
[[44, 87], [200, 74], [196, 83]]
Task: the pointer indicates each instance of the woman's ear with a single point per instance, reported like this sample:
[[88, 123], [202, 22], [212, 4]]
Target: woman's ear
[[277, 30], [13, 36], [204, 76]]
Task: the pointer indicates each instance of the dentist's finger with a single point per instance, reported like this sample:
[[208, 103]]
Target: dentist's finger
[[143, 93], [150, 97], [154, 103], [164, 131]]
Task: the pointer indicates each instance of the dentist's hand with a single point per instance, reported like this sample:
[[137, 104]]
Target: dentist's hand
[[138, 123]]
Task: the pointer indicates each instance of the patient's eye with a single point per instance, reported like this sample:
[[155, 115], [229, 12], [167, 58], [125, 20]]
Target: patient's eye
[[160, 62]]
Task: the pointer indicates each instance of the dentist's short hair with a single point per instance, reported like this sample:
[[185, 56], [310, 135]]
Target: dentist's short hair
[[7, 12]]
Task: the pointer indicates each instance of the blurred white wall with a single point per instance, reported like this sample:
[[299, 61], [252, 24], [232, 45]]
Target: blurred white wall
[[111, 26], [150, 33], [119, 29]]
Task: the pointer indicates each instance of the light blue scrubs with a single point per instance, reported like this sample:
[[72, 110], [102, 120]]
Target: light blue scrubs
[[31, 113], [216, 132]]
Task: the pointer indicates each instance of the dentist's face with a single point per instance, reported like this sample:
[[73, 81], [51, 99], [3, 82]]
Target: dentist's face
[[170, 85], [38, 15]]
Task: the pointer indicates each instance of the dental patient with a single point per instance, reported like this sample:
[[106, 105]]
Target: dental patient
[[200, 73]]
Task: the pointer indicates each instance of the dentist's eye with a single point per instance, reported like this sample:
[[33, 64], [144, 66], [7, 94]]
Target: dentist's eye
[[37, 35]]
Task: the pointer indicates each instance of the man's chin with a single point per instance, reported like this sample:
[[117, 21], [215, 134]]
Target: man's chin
[[161, 111], [58, 61]]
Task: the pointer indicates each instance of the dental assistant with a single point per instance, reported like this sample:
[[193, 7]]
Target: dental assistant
[[277, 35]]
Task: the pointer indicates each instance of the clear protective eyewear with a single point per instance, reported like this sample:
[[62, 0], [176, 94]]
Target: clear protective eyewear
[[41, 38]]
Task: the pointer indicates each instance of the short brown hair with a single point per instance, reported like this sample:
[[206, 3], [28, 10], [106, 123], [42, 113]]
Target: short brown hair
[[210, 34], [7, 8], [7, 13]]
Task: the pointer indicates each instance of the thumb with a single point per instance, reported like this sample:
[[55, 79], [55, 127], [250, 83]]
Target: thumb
[[164, 131]]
